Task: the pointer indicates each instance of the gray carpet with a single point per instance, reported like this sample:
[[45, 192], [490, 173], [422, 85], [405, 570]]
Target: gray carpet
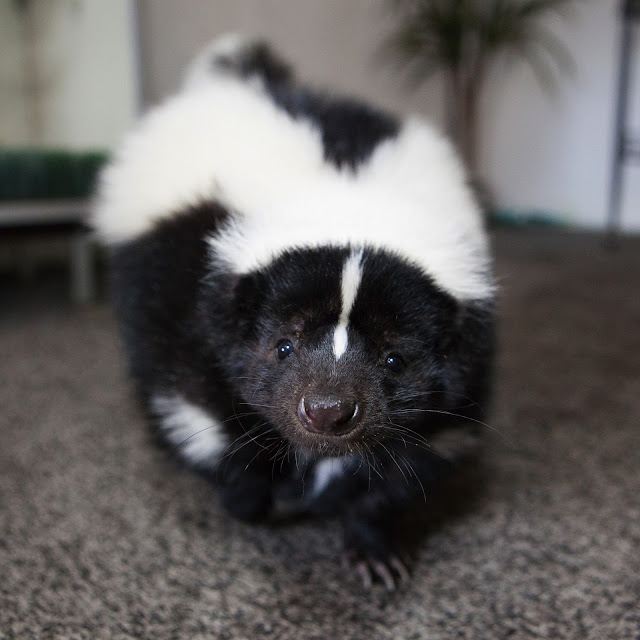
[[103, 536]]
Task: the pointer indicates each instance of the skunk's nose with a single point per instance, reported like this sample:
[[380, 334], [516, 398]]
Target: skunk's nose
[[328, 412]]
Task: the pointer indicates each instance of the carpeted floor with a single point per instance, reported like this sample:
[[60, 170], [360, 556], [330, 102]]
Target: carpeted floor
[[103, 536]]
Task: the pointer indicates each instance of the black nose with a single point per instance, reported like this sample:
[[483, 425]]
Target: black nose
[[327, 412]]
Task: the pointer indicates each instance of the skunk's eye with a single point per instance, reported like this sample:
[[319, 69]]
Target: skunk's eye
[[394, 363], [284, 349]]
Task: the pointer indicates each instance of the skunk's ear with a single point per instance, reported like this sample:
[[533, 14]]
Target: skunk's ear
[[468, 366]]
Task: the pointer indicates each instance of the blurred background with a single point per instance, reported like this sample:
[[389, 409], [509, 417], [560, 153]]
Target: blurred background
[[542, 150], [539, 132], [101, 536]]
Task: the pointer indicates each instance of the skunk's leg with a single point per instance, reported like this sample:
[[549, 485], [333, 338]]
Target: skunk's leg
[[245, 481], [368, 533]]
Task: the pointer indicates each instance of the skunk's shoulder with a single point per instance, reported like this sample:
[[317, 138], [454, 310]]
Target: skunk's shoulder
[[243, 134]]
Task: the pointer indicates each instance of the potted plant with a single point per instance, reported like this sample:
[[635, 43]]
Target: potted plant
[[463, 40]]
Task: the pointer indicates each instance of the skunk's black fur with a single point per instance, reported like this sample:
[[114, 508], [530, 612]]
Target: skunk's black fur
[[303, 430]]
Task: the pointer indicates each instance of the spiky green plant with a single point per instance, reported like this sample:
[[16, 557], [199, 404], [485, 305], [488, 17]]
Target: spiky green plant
[[463, 39]]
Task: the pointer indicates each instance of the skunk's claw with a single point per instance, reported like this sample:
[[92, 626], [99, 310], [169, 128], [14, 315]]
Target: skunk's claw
[[391, 571], [364, 571], [400, 567]]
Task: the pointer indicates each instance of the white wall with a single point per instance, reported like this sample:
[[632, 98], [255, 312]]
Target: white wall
[[86, 84], [553, 153], [540, 153]]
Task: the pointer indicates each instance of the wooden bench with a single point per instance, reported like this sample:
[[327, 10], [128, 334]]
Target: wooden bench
[[57, 216]]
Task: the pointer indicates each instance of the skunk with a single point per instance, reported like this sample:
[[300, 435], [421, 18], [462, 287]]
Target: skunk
[[304, 289]]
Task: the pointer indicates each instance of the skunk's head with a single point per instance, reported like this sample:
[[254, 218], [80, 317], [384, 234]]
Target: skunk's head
[[341, 348]]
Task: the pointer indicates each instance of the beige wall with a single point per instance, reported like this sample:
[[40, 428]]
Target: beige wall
[[333, 43], [554, 152], [549, 153], [80, 58]]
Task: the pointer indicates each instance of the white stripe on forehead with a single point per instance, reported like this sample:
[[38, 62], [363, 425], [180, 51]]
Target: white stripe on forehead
[[351, 277]]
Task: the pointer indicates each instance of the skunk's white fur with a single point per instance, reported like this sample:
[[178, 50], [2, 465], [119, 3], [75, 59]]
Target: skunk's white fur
[[229, 46], [325, 471], [223, 138], [221, 141], [196, 434]]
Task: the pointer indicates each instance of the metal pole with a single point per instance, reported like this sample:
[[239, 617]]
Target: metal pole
[[630, 12]]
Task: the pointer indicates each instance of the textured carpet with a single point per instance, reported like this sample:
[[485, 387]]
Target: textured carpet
[[102, 535]]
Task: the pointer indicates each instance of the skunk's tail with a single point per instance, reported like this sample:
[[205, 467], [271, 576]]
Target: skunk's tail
[[236, 55]]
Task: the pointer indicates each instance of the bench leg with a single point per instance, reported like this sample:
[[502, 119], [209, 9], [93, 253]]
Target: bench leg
[[83, 286]]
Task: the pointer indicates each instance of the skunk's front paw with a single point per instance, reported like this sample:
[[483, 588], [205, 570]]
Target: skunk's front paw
[[372, 554], [390, 570]]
